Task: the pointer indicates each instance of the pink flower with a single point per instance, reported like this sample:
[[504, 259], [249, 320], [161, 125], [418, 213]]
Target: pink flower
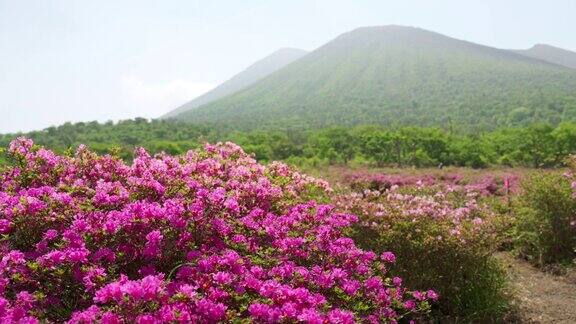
[[311, 316], [340, 316], [351, 287], [388, 257], [217, 195], [213, 311], [110, 318], [232, 205], [419, 295], [432, 295], [373, 283], [153, 240], [222, 278], [410, 304]]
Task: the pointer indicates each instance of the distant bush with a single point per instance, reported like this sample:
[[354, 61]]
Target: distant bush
[[443, 238], [545, 230]]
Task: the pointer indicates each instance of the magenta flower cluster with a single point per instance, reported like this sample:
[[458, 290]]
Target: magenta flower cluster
[[211, 236]]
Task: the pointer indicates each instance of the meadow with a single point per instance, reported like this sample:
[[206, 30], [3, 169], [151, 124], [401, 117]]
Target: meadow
[[212, 235]]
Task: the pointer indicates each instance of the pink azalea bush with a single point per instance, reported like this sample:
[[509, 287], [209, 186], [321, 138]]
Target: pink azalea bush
[[211, 236], [444, 236], [452, 216]]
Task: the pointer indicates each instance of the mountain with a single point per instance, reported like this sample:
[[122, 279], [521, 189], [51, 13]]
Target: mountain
[[551, 54], [396, 75], [253, 73]]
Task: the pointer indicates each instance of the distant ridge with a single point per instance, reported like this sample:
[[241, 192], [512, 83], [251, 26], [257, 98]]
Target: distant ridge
[[551, 54], [396, 75], [253, 73]]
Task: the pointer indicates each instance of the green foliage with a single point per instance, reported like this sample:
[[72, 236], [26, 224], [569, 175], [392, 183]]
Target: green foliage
[[157, 135], [473, 282], [468, 151], [461, 266], [536, 145], [545, 232], [336, 145]]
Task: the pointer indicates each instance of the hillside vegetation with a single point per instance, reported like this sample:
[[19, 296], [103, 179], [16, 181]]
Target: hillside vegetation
[[395, 75]]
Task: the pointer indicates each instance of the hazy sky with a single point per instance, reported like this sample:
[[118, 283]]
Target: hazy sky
[[100, 60]]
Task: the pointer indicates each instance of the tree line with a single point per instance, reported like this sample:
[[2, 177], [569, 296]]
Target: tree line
[[537, 145]]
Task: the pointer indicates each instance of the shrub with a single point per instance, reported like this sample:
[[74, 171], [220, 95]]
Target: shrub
[[443, 236], [206, 237], [545, 231]]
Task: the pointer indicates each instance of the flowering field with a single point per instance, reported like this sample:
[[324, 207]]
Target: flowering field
[[205, 237], [214, 236], [444, 228]]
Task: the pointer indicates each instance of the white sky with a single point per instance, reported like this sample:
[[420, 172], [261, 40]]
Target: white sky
[[65, 60]]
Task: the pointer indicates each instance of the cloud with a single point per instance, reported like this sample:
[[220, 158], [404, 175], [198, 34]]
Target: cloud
[[154, 99]]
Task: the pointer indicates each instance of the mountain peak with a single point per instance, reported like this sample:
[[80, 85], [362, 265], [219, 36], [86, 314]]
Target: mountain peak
[[549, 47], [393, 35], [537, 46], [388, 30], [551, 54]]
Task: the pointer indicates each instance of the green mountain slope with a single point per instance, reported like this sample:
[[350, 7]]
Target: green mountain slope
[[551, 54], [244, 79], [394, 75]]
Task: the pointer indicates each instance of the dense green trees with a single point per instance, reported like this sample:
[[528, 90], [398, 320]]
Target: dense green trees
[[536, 145], [172, 137]]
